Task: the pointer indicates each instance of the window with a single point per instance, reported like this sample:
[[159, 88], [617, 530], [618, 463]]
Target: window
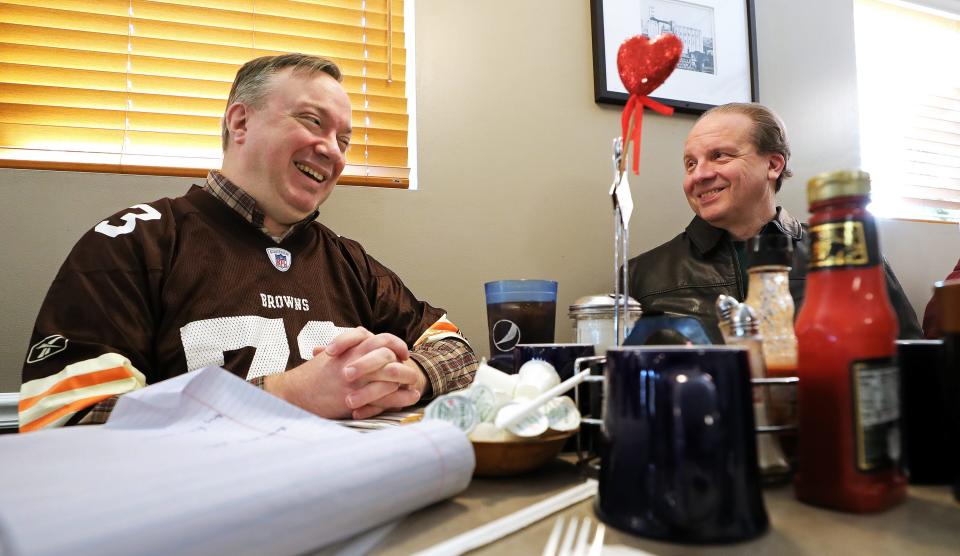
[[909, 85], [139, 86]]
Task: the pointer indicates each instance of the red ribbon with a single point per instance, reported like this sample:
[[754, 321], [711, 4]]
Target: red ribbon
[[636, 111]]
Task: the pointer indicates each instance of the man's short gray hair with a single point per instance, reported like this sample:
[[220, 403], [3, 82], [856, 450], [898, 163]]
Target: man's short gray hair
[[769, 134], [252, 83]]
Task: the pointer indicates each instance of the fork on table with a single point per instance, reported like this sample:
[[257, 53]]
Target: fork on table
[[574, 542]]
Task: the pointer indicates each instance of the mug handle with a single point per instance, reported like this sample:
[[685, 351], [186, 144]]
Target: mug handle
[[579, 365]]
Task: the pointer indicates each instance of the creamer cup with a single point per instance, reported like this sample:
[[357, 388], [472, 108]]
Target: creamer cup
[[536, 377]]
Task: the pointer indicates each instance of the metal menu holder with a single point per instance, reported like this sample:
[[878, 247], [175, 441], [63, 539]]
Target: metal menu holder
[[622, 209]]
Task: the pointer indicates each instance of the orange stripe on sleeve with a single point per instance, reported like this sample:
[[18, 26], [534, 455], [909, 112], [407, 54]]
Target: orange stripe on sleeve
[[75, 382], [444, 326], [439, 330], [67, 409]]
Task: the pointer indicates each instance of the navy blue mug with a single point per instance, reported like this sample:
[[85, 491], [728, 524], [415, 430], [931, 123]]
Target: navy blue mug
[[679, 452]]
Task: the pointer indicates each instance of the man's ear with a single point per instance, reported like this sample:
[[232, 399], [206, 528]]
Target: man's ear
[[775, 165], [235, 119]]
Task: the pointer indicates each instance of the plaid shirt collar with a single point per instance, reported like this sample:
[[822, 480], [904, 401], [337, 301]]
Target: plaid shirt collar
[[246, 206]]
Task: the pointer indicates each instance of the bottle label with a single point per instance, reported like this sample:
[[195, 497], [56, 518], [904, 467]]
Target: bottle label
[[844, 244], [876, 413]]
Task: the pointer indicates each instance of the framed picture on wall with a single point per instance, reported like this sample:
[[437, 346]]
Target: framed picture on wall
[[719, 60]]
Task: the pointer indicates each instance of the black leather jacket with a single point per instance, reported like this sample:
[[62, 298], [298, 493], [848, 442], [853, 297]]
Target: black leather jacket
[[686, 274]]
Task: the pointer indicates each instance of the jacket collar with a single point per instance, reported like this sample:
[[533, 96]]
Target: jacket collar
[[786, 224], [706, 237]]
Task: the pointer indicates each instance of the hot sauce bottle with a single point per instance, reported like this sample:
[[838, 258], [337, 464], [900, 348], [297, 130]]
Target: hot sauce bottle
[[770, 256], [849, 445]]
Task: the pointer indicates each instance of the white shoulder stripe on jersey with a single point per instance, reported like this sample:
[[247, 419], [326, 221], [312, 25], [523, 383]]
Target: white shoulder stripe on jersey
[[54, 402], [103, 362]]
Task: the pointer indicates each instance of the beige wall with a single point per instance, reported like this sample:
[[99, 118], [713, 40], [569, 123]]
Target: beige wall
[[514, 164]]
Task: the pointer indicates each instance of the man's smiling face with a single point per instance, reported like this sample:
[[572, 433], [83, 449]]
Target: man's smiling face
[[294, 146], [726, 181]]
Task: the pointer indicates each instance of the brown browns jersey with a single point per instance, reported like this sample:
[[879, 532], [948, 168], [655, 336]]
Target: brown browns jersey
[[163, 288]]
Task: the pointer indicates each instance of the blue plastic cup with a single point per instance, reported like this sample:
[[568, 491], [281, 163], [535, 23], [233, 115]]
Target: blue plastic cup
[[519, 311]]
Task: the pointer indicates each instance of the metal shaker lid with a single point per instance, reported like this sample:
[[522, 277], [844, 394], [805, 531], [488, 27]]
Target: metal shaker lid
[[600, 304], [744, 322], [725, 307]]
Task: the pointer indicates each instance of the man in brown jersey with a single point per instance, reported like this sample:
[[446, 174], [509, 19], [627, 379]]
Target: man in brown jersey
[[239, 273]]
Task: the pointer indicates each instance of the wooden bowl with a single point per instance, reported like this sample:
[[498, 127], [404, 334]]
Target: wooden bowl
[[498, 459]]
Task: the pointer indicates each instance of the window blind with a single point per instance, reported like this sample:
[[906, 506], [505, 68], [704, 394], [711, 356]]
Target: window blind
[[909, 88], [139, 86]]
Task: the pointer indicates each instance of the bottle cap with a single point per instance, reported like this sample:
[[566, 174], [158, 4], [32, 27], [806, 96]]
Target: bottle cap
[[841, 183], [769, 249], [744, 322], [725, 307]]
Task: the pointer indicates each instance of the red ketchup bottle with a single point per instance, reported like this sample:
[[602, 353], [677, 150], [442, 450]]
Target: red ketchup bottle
[[849, 441]]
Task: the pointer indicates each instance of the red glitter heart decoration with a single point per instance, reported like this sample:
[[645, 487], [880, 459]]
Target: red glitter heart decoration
[[644, 64]]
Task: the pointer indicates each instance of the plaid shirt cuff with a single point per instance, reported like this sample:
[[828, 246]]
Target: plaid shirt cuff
[[100, 412], [449, 364]]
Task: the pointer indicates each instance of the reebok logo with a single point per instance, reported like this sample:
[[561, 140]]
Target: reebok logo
[[47, 347]]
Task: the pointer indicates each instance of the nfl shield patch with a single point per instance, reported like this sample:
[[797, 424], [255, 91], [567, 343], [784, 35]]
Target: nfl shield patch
[[280, 258]]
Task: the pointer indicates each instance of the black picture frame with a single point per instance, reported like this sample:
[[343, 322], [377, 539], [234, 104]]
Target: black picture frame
[[684, 95]]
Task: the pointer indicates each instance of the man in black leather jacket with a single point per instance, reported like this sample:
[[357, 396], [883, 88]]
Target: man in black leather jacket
[[735, 161]]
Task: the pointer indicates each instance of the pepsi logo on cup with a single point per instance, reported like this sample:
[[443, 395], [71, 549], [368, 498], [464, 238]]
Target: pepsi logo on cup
[[505, 334]]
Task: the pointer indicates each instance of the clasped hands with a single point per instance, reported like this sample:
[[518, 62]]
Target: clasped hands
[[357, 375]]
